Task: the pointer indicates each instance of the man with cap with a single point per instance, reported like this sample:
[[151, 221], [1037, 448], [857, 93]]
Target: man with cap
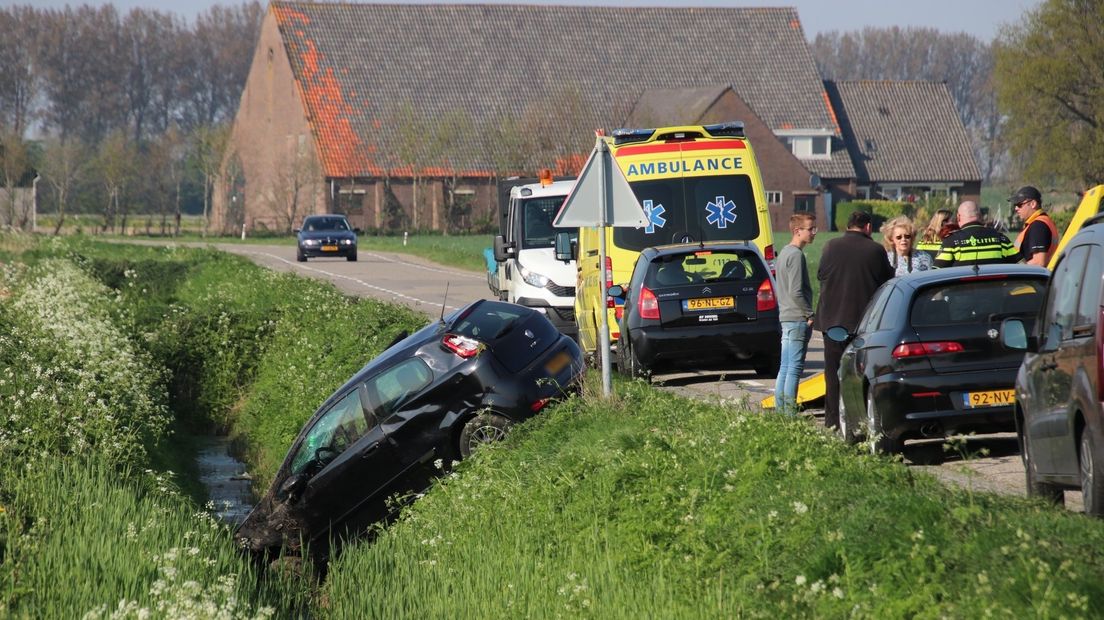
[[1039, 237]]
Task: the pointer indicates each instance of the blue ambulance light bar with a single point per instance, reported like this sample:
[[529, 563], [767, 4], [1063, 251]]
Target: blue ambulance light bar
[[625, 136], [732, 128]]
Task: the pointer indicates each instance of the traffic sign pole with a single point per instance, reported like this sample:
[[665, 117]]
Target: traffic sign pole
[[604, 339]]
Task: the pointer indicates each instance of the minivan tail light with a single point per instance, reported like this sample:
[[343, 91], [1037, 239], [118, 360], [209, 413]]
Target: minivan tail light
[[648, 304], [462, 345], [764, 297], [609, 282], [768, 254], [923, 349]]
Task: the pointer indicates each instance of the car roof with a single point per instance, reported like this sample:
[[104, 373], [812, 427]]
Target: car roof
[[686, 248], [918, 279], [326, 216]]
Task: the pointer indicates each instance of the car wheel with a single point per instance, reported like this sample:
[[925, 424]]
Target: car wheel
[[1092, 477], [299, 256], [1045, 490], [879, 442], [846, 432], [628, 363], [482, 429], [351, 258]]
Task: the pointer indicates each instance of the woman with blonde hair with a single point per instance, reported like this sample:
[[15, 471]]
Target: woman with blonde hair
[[898, 235], [932, 238]]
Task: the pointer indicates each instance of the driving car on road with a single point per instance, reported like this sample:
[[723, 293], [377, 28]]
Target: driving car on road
[[436, 395], [1060, 387], [326, 235], [925, 360], [702, 305]]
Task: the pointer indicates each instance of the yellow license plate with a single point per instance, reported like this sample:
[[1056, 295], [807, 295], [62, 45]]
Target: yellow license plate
[[557, 363], [329, 248], [709, 303], [992, 398]]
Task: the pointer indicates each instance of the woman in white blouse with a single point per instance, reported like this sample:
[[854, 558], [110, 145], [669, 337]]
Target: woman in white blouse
[[899, 237]]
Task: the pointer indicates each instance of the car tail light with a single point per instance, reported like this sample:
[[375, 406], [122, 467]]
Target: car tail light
[[648, 304], [998, 276], [539, 404], [768, 253], [764, 298], [462, 345], [609, 282], [922, 349]]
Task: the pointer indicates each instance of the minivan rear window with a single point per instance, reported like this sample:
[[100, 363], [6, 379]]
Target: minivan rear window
[[977, 301], [708, 208], [705, 267]]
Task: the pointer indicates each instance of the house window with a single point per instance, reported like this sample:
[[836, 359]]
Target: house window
[[804, 203], [820, 147], [862, 192], [774, 198], [809, 147]]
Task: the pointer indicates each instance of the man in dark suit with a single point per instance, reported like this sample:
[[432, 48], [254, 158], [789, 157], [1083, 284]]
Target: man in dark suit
[[851, 268]]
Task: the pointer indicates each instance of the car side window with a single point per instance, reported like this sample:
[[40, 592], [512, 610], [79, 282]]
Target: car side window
[[393, 387], [892, 312], [336, 430], [1057, 323], [1088, 309], [874, 310]]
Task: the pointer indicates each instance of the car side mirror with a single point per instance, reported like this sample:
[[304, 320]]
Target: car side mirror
[[292, 486], [503, 249], [1013, 335], [839, 334], [295, 230], [616, 291], [565, 247]]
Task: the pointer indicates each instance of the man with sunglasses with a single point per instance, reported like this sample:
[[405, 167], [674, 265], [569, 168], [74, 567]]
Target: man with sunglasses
[[973, 243], [1039, 237]]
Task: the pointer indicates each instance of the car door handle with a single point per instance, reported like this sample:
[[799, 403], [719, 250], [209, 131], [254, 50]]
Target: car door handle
[[367, 452]]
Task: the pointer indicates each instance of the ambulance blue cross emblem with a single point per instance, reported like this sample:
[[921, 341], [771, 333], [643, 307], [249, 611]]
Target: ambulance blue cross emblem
[[720, 212], [654, 215]]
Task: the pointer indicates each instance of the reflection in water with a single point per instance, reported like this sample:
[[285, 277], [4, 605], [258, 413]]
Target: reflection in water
[[228, 484]]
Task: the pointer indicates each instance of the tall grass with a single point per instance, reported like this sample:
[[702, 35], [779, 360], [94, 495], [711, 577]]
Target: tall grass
[[655, 506]]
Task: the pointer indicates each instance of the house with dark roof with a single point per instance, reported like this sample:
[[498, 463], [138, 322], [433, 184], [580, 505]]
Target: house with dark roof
[[316, 128], [905, 140]]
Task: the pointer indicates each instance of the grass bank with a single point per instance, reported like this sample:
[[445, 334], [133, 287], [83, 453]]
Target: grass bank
[[655, 506]]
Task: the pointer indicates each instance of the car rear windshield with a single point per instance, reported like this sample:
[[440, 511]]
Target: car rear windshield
[[315, 224], [711, 208], [705, 266], [977, 300], [487, 321]]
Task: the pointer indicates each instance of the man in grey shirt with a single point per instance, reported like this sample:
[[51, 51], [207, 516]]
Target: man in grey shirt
[[795, 310]]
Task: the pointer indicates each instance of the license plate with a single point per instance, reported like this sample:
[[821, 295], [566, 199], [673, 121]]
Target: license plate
[[329, 248], [557, 363], [708, 303], [992, 398]]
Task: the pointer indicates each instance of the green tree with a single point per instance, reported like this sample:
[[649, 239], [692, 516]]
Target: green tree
[[1050, 84]]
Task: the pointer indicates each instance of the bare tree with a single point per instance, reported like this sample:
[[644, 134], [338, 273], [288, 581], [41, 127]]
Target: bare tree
[[296, 183], [218, 55], [455, 141], [115, 166], [415, 147], [209, 149], [14, 162], [19, 81], [63, 165], [149, 38]]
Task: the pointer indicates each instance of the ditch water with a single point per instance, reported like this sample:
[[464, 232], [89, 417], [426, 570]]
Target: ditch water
[[228, 483]]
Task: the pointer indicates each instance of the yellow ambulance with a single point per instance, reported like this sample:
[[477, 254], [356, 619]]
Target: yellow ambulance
[[696, 183]]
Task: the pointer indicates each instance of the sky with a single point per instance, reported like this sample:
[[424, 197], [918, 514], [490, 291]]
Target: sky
[[981, 18]]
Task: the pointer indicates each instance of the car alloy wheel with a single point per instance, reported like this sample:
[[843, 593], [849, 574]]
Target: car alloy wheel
[[876, 437], [482, 429], [1092, 478], [1045, 490]]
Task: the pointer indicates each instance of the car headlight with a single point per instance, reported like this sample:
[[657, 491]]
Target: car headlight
[[532, 278], [346, 242], [310, 242]]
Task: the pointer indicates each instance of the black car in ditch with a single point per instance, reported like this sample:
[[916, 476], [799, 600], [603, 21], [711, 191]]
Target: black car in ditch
[[926, 360], [326, 235], [430, 398], [699, 305]]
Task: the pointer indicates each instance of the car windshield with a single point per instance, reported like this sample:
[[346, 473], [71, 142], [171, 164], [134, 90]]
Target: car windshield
[[316, 224], [487, 323], [710, 208], [537, 222], [705, 266], [971, 301]]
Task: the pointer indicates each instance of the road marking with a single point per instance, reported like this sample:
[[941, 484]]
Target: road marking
[[386, 259], [296, 265]]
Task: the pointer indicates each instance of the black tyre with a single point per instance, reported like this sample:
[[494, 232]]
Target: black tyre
[[849, 435], [299, 256], [482, 429], [627, 361], [351, 258], [880, 443], [1044, 490], [767, 366], [1092, 476]]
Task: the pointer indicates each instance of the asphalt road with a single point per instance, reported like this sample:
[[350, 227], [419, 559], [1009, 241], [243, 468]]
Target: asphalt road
[[987, 464]]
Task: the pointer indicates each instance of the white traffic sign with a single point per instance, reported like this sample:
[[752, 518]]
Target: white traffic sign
[[601, 183]]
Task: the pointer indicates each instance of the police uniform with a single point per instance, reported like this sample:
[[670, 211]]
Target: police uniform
[[974, 244]]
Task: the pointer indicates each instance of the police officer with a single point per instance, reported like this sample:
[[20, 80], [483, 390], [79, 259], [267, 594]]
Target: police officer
[[1039, 237], [974, 244]]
